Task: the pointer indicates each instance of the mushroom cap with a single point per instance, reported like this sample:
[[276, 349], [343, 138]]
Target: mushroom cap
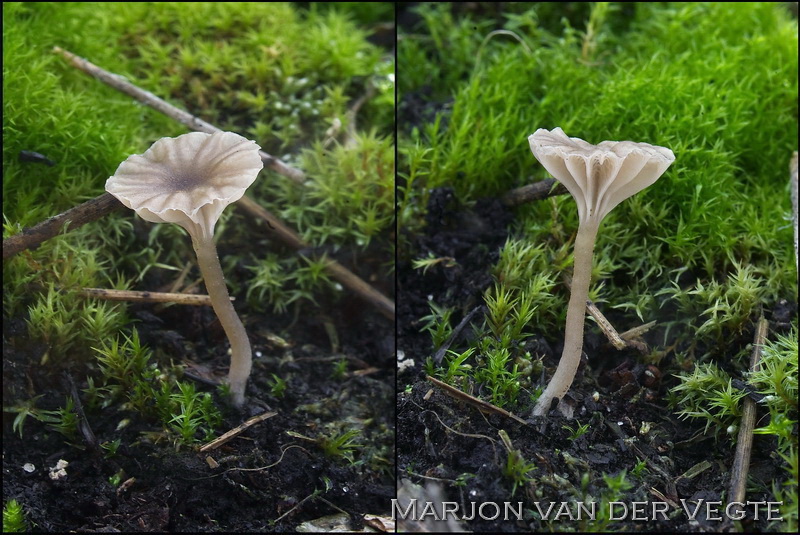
[[599, 177], [188, 180]]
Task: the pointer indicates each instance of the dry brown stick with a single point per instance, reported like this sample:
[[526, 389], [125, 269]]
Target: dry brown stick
[[483, 406], [145, 97], [236, 431], [636, 332], [744, 445], [533, 192], [146, 297], [30, 238], [605, 325], [353, 112], [439, 355], [338, 271]]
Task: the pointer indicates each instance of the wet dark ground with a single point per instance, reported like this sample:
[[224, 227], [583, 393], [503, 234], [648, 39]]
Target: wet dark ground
[[454, 445]]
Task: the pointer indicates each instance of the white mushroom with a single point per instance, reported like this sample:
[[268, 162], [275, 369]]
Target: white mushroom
[[189, 180], [599, 177]]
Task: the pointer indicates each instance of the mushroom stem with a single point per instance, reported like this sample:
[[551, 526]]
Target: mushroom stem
[[576, 315], [241, 353]]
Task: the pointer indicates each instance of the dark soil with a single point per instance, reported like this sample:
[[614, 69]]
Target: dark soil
[[268, 479], [448, 443]]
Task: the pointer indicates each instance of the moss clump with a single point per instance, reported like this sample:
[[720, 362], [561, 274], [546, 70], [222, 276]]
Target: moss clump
[[703, 242], [702, 252], [278, 73]]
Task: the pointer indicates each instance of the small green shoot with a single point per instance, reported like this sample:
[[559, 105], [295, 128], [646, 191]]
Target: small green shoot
[[455, 366], [341, 446], [339, 369], [578, 431], [24, 409], [517, 470], [640, 469], [431, 260], [437, 323], [14, 518], [707, 394], [110, 448], [63, 420], [277, 386]]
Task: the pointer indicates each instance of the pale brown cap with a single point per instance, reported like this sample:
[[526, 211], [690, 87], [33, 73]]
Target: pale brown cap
[[187, 180], [599, 177]]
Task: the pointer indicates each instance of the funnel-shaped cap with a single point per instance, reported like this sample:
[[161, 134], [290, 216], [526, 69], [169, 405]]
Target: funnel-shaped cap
[[599, 177], [188, 180]]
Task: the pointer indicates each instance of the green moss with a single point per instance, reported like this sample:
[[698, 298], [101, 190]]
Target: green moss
[[702, 250], [719, 93], [279, 73], [706, 395], [14, 518]]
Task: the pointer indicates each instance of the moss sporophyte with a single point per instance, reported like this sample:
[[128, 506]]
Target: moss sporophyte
[[189, 180], [599, 177]]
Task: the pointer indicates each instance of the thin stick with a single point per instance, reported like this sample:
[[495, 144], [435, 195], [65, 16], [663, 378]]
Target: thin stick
[[744, 445], [32, 237], [439, 355], [348, 279], [483, 406], [605, 325], [236, 431], [297, 505], [145, 97], [146, 297], [83, 423], [637, 331], [539, 190], [353, 112]]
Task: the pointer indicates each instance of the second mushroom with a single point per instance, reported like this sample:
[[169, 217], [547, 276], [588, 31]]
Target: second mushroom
[[599, 177], [189, 180]]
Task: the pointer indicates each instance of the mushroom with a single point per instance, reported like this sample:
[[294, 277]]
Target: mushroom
[[189, 180], [599, 177]]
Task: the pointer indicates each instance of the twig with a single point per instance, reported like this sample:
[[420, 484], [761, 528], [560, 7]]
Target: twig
[[637, 331], [744, 445], [201, 380], [439, 355], [297, 505], [384, 305], [605, 325], [145, 97], [146, 297], [483, 406], [334, 506], [236, 431], [91, 210], [173, 288], [353, 112], [533, 192], [83, 423]]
